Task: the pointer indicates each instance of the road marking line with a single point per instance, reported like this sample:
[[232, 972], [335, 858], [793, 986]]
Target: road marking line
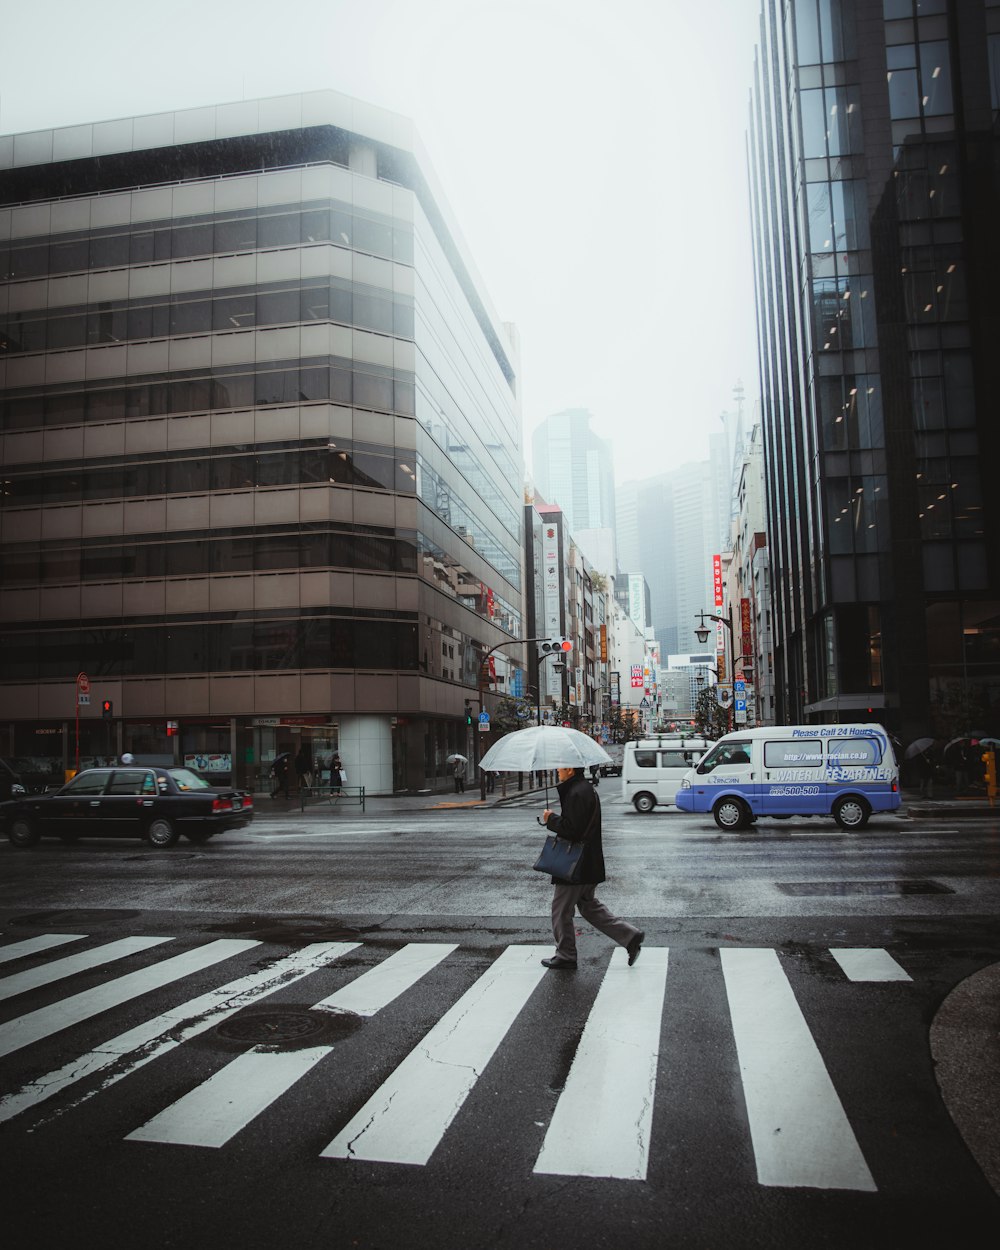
[[602, 1121], [59, 969], [31, 946], [138, 1046], [800, 1132], [863, 964], [405, 1119], [218, 1109], [46, 1021], [378, 987]]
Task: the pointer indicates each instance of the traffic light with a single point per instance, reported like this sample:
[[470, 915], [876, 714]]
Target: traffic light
[[468, 712], [107, 709], [990, 761], [549, 646]]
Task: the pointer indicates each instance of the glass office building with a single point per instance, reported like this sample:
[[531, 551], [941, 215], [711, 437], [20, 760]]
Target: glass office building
[[259, 445], [874, 173]]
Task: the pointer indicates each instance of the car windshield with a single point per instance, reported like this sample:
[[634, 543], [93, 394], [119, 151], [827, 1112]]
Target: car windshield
[[187, 780]]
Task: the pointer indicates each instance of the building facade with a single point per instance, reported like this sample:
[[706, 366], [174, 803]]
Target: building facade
[[574, 468], [874, 154], [259, 442]]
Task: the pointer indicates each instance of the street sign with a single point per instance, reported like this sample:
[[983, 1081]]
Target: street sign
[[484, 727], [644, 702], [740, 705], [724, 695], [739, 688], [83, 683], [83, 700], [484, 718]]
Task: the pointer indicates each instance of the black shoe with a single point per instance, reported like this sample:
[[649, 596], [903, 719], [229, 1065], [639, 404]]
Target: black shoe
[[634, 947], [557, 961]]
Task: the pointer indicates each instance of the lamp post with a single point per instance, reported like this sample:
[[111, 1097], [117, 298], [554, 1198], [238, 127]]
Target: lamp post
[[702, 631], [510, 642]]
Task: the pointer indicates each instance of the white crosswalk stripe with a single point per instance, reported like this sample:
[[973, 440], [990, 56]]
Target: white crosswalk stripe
[[218, 1109], [35, 945], [799, 1130], [406, 1118], [602, 1122], [147, 1041], [69, 1011], [32, 978]]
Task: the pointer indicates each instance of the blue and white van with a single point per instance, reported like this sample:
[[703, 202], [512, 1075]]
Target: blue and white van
[[844, 771]]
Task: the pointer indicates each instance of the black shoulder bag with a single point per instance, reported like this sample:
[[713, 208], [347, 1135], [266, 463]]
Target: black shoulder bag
[[560, 857]]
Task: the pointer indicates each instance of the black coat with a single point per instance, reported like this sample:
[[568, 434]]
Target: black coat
[[580, 805]]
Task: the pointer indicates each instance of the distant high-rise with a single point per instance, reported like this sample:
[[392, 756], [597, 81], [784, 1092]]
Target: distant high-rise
[[875, 161], [669, 529], [574, 468]]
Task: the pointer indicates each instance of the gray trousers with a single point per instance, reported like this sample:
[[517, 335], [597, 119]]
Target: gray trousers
[[565, 900]]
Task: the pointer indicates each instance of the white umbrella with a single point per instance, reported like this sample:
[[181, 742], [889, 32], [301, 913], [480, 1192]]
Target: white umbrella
[[543, 747], [452, 758]]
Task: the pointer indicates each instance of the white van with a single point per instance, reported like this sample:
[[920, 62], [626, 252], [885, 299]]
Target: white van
[[653, 768], [844, 771]]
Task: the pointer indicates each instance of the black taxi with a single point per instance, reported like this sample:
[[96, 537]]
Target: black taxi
[[158, 804]]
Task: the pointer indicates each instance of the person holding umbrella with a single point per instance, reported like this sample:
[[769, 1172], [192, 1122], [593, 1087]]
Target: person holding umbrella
[[279, 774], [580, 819]]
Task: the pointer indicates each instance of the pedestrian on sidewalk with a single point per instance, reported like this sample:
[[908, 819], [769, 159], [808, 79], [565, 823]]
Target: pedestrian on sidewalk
[[925, 771], [580, 818], [303, 767], [279, 775], [458, 772]]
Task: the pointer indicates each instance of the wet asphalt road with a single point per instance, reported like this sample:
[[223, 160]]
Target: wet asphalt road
[[924, 893]]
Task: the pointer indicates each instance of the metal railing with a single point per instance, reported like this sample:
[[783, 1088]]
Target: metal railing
[[336, 796]]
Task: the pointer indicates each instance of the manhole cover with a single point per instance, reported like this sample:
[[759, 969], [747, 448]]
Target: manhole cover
[[271, 1026], [874, 888]]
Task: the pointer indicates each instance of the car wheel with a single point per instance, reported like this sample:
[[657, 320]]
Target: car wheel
[[851, 812], [644, 803], [21, 832], [731, 814], [160, 832]]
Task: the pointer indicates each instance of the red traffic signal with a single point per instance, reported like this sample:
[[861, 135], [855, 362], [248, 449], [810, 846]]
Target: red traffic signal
[[107, 709]]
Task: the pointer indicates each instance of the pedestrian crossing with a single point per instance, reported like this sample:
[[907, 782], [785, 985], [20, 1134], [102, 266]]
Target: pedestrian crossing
[[601, 1125]]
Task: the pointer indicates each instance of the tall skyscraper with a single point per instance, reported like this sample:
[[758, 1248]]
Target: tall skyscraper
[[260, 444], [875, 163], [669, 528], [574, 468]]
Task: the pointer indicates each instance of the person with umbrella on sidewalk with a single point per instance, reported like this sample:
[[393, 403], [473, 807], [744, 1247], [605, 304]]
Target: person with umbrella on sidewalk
[[541, 748]]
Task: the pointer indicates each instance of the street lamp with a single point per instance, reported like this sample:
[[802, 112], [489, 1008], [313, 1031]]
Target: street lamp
[[702, 631]]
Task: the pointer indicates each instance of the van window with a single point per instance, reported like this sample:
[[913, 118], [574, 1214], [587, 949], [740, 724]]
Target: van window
[[645, 759], [793, 754], [854, 752], [675, 759], [725, 753]]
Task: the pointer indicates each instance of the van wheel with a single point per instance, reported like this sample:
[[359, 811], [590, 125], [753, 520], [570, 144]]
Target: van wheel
[[22, 833], [851, 812], [731, 814], [644, 802], [161, 832]]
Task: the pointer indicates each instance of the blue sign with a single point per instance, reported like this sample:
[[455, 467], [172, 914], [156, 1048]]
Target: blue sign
[[740, 705], [739, 688], [517, 683], [484, 718]]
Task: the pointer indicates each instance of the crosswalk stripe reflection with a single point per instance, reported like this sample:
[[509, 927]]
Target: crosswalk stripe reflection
[[603, 1117], [405, 1119], [800, 1133], [218, 1109]]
